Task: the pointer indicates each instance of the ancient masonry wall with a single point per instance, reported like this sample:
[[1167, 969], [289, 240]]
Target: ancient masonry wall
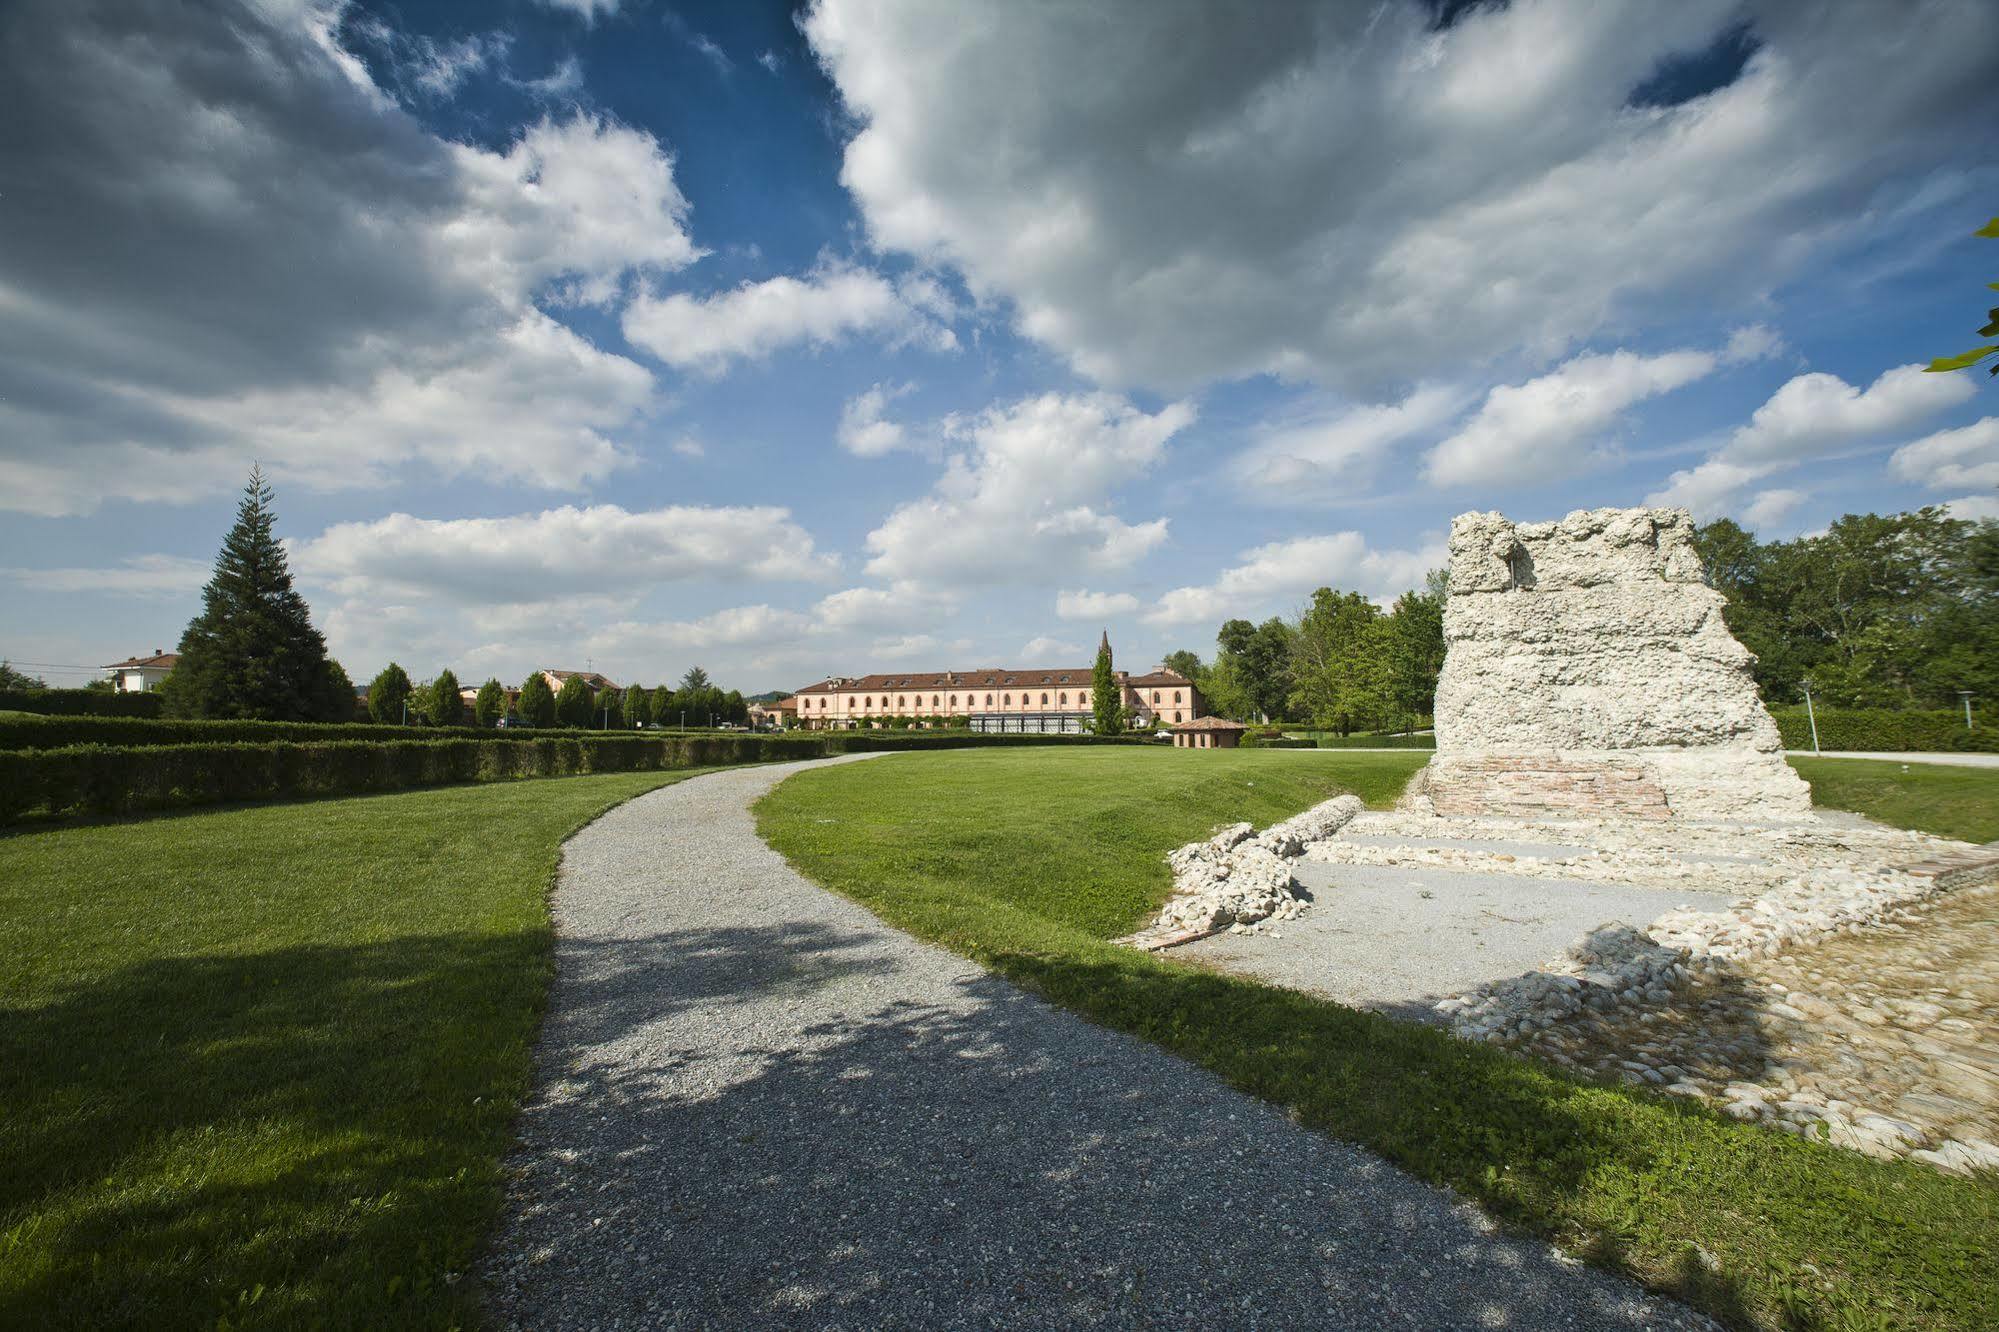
[[1588, 672]]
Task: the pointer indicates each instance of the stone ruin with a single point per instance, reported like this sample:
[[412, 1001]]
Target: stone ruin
[[1588, 674]]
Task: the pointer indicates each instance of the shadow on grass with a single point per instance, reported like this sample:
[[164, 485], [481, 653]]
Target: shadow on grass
[[307, 1134]]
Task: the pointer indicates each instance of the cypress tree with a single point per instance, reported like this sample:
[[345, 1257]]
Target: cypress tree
[[608, 709], [252, 652], [387, 694], [537, 704], [446, 705], [662, 706], [490, 705], [1106, 699]]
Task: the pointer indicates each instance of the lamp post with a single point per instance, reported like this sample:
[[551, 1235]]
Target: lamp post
[[1965, 694], [1811, 716]]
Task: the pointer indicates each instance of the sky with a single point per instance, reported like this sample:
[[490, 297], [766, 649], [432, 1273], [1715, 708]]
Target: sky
[[858, 335]]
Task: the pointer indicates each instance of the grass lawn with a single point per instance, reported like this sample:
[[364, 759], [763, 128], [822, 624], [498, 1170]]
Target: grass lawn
[[1947, 801], [1029, 861], [260, 1065]]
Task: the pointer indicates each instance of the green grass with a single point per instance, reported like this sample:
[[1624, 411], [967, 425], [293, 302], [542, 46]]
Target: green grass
[[1028, 862], [260, 1065], [1935, 798]]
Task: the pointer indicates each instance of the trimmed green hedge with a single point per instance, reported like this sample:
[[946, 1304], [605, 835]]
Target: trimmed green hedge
[[1880, 729], [80, 703], [1376, 741], [103, 779]]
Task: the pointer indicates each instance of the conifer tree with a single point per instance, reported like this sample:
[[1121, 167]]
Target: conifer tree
[[662, 705], [1106, 699], [638, 706], [387, 695], [252, 652], [608, 709], [573, 702], [490, 705], [537, 704], [446, 704]]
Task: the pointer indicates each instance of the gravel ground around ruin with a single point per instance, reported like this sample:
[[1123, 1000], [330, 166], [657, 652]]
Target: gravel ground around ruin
[[756, 1105], [1400, 938]]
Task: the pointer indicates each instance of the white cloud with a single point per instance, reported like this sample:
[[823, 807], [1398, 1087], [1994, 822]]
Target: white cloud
[[284, 265], [864, 428], [529, 557], [1811, 416], [1818, 414], [1971, 508], [1952, 459], [587, 10], [1558, 421], [690, 446], [1331, 452], [1272, 575], [1770, 508], [770, 60], [1045, 651], [828, 305], [139, 575], [1017, 505], [1081, 605], [1187, 197], [899, 606]]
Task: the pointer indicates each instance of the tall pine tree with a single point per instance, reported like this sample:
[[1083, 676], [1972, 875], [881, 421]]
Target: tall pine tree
[[252, 652]]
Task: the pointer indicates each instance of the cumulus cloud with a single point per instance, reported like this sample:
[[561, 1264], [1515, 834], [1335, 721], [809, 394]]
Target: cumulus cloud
[[1770, 508], [865, 429], [1951, 459], [1081, 605], [139, 575], [1559, 420], [587, 10], [251, 251], [834, 302], [1017, 503], [1188, 197], [1812, 415], [545, 555], [1270, 576]]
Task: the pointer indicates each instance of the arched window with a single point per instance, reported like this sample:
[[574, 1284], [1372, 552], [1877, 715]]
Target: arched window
[[1155, 696], [933, 700], [1063, 699], [1044, 700], [1176, 716], [1176, 696], [989, 700], [902, 700], [954, 700], [1006, 700]]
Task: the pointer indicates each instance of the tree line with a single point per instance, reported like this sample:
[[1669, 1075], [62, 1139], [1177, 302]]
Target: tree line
[[394, 700], [1342, 663]]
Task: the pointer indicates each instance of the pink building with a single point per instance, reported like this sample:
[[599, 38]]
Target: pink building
[[997, 698]]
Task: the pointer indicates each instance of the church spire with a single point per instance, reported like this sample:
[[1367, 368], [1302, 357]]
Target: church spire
[[1105, 645]]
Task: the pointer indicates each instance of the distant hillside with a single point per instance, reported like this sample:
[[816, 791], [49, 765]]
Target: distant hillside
[[771, 697]]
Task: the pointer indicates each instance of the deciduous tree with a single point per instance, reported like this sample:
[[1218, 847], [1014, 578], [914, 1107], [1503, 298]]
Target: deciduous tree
[[536, 705], [573, 703], [490, 705], [638, 706], [388, 695]]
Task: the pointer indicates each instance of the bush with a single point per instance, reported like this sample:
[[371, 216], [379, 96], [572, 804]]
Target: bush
[[80, 703], [61, 732], [112, 780], [1886, 730]]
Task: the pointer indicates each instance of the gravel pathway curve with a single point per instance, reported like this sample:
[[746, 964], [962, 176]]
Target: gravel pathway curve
[[757, 1106]]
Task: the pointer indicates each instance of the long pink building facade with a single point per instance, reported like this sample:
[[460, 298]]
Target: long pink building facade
[[996, 698]]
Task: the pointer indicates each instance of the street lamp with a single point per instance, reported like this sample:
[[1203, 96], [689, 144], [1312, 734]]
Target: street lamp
[[1811, 716], [1965, 694]]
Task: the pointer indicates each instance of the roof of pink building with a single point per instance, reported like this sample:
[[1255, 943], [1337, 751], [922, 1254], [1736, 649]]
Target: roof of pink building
[[164, 660], [995, 677]]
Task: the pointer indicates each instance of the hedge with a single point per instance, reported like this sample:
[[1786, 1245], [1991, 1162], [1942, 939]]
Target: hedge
[[105, 779], [80, 703], [1885, 730], [63, 732]]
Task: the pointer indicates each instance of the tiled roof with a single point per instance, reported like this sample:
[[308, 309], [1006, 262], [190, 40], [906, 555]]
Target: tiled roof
[[1210, 724], [163, 660], [995, 677], [591, 678]]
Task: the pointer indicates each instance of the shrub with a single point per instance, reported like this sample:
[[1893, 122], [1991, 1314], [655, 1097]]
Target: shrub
[[572, 703], [1886, 730], [388, 695], [490, 705], [80, 703], [446, 704], [608, 709], [113, 780], [536, 706]]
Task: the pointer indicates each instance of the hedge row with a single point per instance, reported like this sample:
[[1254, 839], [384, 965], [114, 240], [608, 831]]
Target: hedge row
[[1885, 730], [102, 779], [80, 703], [62, 732]]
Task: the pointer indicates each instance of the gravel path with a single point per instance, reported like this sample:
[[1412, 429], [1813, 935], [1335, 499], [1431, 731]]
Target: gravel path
[[758, 1106]]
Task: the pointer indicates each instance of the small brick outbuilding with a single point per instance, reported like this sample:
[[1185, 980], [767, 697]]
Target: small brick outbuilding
[[1208, 733]]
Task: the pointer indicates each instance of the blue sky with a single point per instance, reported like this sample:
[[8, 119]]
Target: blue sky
[[865, 334]]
